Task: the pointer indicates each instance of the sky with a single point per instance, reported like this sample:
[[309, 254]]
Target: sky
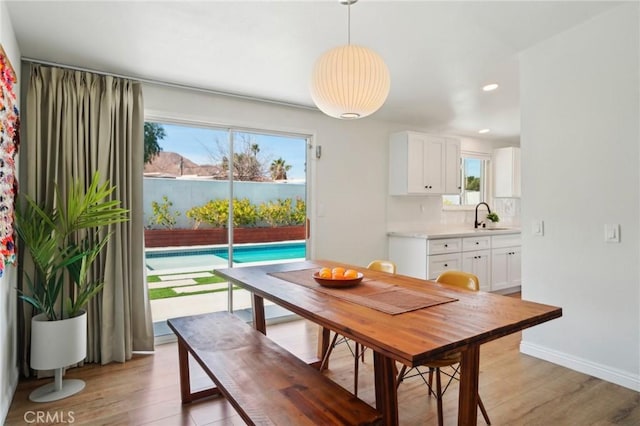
[[472, 167], [200, 145]]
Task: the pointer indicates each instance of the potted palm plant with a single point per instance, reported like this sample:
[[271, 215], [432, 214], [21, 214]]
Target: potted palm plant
[[64, 241]]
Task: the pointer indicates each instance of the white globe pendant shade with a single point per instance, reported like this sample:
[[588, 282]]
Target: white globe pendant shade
[[350, 82]]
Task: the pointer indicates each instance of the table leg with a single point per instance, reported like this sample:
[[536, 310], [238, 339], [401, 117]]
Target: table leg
[[386, 389], [259, 322], [468, 396], [324, 334], [185, 382]]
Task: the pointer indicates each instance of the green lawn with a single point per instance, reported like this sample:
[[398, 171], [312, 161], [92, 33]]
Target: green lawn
[[164, 293]]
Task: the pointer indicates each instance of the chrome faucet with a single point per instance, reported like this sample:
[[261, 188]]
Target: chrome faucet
[[475, 222]]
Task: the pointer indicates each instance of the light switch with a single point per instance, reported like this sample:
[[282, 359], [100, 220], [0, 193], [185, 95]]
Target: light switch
[[612, 233], [537, 228]]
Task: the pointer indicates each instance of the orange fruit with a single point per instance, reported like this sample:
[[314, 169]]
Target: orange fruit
[[324, 273], [337, 273], [351, 274]]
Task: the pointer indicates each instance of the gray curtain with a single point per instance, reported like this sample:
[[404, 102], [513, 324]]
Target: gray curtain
[[77, 123]]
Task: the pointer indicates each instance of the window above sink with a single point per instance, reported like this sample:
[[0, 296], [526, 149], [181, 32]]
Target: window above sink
[[474, 169]]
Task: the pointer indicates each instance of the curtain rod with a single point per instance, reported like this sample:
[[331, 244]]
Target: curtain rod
[[173, 85]]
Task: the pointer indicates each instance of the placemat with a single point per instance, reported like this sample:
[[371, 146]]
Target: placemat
[[375, 294]]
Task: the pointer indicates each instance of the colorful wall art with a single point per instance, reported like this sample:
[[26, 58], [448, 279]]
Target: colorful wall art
[[9, 138]]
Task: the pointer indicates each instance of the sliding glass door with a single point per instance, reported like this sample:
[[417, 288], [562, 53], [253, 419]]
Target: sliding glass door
[[218, 198]]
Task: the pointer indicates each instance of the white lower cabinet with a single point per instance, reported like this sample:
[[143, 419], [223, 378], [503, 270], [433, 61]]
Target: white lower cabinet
[[505, 268], [505, 261], [494, 259], [439, 263], [476, 259], [479, 263]]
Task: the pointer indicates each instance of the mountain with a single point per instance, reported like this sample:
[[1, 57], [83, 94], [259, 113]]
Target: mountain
[[171, 164]]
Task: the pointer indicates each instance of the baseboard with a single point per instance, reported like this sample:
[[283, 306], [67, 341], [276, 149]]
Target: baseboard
[[604, 372]]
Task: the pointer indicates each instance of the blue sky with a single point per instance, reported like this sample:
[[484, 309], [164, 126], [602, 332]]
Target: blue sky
[[472, 168], [200, 145]]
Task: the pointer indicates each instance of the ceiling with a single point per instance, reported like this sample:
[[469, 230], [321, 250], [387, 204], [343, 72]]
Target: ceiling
[[439, 54]]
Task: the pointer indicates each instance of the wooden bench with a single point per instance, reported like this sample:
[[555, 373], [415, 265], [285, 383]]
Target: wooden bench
[[263, 382]]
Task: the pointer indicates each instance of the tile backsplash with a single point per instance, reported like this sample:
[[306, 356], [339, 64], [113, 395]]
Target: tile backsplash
[[409, 213]]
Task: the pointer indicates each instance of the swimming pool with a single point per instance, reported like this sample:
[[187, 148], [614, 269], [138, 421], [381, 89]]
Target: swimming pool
[[219, 256]]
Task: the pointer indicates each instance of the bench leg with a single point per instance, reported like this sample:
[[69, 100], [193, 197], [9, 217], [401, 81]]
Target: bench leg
[[185, 380]]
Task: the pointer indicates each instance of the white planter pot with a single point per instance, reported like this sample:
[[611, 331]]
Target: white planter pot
[[55, 345]]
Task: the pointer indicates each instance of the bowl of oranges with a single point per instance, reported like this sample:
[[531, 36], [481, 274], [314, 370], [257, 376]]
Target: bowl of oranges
[[338, 277]]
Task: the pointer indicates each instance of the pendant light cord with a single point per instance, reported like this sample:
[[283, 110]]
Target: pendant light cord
[[349, 23]]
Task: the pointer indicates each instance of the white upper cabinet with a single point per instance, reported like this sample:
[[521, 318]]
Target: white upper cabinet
[[421, 164], [506, 172], [452, 175]]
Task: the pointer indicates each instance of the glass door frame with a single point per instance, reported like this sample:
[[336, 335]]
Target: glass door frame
[[231, 130]]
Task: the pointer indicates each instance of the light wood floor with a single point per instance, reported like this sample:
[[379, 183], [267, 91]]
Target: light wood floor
[[516, 389]]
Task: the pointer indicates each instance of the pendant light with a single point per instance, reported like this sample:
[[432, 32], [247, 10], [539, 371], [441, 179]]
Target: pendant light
[[350, 82]]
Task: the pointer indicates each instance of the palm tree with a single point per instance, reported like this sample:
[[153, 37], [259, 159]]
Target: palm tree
[[279, 169], [153, 133]]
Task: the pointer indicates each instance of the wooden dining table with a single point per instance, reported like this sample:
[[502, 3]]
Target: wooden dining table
[[399, 318]]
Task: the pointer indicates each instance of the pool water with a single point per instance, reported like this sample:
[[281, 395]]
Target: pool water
[[266, 253], [219, 256]]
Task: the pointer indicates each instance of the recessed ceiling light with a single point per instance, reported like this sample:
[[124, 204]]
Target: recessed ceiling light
[[484, 131], [490, 87]]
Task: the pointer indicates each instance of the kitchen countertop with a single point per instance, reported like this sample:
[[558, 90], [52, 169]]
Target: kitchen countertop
[[453, 232]]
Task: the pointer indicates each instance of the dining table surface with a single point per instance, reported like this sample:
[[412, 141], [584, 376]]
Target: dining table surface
[[400, 318]]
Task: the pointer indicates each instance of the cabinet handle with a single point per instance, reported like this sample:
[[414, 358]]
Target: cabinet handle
[[446, 245], [445, 265], [477, 242]]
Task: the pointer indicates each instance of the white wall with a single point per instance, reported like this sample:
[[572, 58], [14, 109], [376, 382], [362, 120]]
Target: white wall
[[8, 282], [580, 157]]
